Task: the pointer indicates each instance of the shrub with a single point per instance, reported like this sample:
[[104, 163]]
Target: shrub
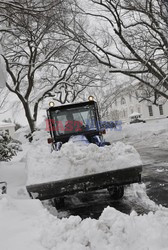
[[8, 146]]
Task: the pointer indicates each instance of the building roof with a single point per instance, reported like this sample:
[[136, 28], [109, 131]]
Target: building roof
[[6, 124], [134, 114]]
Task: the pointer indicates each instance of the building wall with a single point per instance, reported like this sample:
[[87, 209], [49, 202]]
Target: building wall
[[155, 111], [7, 128]]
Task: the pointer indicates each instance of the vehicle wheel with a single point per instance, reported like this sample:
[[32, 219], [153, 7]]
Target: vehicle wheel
[[116, 192], [107, 143], [59, 202]]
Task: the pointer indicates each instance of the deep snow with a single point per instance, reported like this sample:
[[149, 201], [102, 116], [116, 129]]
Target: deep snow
[[152, 133], [26, 224]]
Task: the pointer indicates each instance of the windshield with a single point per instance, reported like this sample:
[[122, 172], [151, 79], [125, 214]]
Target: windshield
[[74, 120]]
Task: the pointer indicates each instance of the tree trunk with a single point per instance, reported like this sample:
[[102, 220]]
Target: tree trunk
[[30, 120]]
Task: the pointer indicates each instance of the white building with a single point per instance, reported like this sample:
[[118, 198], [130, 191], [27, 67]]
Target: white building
[[128, 102], [7, 127]]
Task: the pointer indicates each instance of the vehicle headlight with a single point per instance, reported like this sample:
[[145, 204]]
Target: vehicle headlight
[[90, 98], [51, 104]]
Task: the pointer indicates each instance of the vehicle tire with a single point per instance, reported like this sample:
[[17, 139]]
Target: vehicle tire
[[116, 192], [107, 143], [59, 202]]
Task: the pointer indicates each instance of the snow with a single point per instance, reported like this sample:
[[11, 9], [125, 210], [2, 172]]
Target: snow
[[135, 114], [18, 228], [14, 173], [26, 224], [151, 133], [74, 160], [6, 124]]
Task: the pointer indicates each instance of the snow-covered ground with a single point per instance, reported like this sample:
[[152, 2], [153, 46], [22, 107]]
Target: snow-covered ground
[[150, 134], [26, 224]]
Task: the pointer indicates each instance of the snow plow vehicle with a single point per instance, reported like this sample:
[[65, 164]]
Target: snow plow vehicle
[[80, 122]]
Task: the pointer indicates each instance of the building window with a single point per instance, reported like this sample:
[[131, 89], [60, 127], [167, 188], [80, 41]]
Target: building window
[[115, 102], [123, 101], [150, 110], [130, 97], [124, 113], [161, 109], [136, 94]]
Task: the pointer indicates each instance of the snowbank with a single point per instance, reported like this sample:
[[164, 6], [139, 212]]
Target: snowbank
[[18, 227], [25, 225], [74, 160], [152, 133], [14, 174]]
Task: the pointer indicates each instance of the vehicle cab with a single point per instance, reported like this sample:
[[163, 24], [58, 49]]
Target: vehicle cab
[[78, 119]]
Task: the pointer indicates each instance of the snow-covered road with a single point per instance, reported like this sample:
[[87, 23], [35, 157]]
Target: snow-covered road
[[155, 175]]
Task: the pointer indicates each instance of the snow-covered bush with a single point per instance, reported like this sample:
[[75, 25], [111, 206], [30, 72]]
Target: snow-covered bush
[[8, 146]]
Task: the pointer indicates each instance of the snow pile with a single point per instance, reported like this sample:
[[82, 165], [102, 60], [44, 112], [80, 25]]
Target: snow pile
[[18, 227], [25, 224], [113, 230], [136, 194], [151, 133], [15, 175], [74, 160]]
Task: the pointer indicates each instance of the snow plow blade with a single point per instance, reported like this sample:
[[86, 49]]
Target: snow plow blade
[[85, 183]]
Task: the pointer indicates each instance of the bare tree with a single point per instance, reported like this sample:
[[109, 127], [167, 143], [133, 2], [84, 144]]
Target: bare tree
[[39, 58], [105, 94], [134, 41]]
